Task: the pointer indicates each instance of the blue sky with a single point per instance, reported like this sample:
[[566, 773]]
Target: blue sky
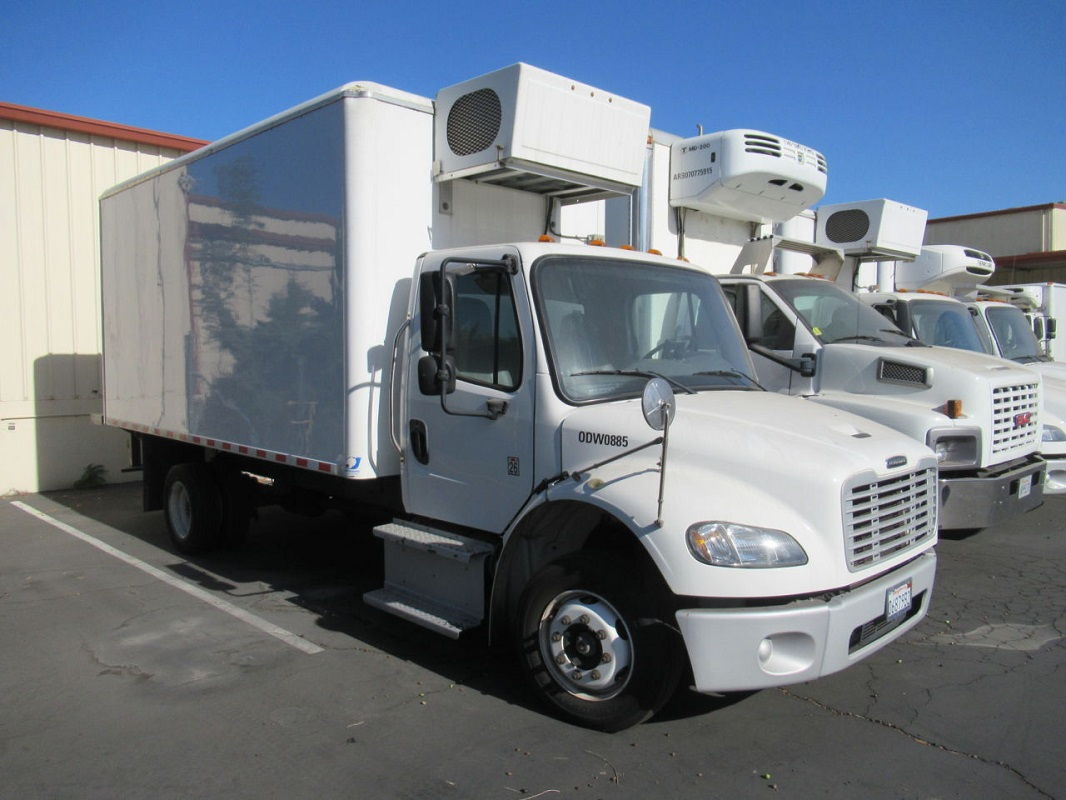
[[955, 107]]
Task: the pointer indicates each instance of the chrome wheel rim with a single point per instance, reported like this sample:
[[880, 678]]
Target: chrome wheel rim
[[586, 645]]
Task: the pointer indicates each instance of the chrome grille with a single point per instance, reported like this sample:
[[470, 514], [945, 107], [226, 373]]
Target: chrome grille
[[1015, 421], [885, 517]]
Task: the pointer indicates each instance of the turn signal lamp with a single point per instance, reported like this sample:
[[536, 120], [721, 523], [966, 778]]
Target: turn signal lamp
[[953, 409]]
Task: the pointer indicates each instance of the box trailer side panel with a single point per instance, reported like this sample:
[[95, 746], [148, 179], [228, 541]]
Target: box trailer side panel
[[223, 293]]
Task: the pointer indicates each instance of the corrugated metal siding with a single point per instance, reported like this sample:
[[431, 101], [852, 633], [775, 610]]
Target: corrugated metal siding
[[50, 182]]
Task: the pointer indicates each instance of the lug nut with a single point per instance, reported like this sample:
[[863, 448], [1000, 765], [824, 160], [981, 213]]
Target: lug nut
[[565, 620], [584, 619], [560, 659], [595, 675], [576, 675], [556, 636], [606, 658], [602, 634]]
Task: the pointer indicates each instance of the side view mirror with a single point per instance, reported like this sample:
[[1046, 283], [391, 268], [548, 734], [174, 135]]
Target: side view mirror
[[808, 365], [1052, 327], [430, 378]]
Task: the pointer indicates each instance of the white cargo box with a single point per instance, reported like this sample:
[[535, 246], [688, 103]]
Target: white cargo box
[[526, 128], [746, 175]]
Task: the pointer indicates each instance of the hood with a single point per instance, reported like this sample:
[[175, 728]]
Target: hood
[[771, 435]]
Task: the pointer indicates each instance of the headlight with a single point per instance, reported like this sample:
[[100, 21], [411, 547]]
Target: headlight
[[955, 448], [1052, 434], [724, 544]]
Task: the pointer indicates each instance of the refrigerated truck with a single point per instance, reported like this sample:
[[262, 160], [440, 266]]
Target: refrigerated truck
[[714, 200], [342, 307], [1044, 303], [944, 321], [939, 298]]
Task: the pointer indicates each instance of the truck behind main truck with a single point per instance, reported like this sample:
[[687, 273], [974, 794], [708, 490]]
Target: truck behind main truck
[[939, 298], [713, 200], [343, 306]]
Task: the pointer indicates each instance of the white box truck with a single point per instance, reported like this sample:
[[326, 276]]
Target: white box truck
[[1044, 304], [813, 339], [918, 297], [328, 310]]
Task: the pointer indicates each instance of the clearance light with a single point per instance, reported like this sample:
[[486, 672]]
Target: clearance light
[[627, 247], [597, 242], [655, 252], [546, 238]]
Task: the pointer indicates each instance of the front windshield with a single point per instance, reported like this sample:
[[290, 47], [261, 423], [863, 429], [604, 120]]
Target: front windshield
[[1014, 337], [946, 324], [611, 324], [838, 316]]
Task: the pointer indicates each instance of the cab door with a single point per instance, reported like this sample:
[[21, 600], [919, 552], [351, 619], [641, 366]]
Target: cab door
[[468, 455]]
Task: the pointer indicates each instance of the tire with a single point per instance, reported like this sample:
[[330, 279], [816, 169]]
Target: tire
[[192, 506], [593, 646]]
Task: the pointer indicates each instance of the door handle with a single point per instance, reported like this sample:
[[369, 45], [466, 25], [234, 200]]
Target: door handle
[[419, 440]]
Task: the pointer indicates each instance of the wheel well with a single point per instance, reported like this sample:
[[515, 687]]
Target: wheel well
[[555, 530]]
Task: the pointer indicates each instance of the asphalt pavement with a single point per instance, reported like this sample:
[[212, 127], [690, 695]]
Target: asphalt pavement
[[127, 670]]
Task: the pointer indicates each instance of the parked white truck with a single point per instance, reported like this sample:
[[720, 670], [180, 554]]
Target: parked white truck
[[341, 306], [712, 199], [1044, 304], [922, 297]]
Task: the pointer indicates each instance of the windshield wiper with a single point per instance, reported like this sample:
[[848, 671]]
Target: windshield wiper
[[731, 373], [635, 373], [856, 338]]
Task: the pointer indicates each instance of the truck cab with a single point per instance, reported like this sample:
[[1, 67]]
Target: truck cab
[[745, 522]]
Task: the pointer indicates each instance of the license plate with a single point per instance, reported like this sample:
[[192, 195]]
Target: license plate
[[1025, 485], [898, 602]]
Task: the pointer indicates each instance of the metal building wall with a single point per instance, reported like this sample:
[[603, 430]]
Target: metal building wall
[[50, 182]]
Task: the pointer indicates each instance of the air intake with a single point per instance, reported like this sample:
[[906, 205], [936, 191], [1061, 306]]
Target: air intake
[[897, 372], [847, 226], [474, 122]]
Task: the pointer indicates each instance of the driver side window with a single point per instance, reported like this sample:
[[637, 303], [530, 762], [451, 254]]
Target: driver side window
[[485, 343], [761, 320]]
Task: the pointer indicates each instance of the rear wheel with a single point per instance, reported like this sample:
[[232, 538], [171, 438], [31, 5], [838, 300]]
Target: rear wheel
[[592, 645], [192, 507]]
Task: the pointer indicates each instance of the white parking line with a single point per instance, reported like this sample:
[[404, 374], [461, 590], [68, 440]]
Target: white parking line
[[200, 594]]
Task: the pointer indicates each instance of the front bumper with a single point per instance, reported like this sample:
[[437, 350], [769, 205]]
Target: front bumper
[[991, 497], [728, 647], [1055, 479]]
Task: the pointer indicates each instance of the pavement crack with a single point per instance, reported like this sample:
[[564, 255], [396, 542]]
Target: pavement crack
[[917, 739]]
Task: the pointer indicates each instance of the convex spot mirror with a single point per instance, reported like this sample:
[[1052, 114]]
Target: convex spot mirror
[[657, 403], [429, 380]]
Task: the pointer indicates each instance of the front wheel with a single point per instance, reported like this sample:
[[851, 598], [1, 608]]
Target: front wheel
[[593, 647]]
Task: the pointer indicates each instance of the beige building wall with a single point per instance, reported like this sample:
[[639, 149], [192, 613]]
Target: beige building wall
[[53, 168], [1013, 231]]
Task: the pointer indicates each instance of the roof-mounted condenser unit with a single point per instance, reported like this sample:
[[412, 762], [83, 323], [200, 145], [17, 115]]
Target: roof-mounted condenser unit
[[746, 175], [525, 128], [946, 268], [873, 230]]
